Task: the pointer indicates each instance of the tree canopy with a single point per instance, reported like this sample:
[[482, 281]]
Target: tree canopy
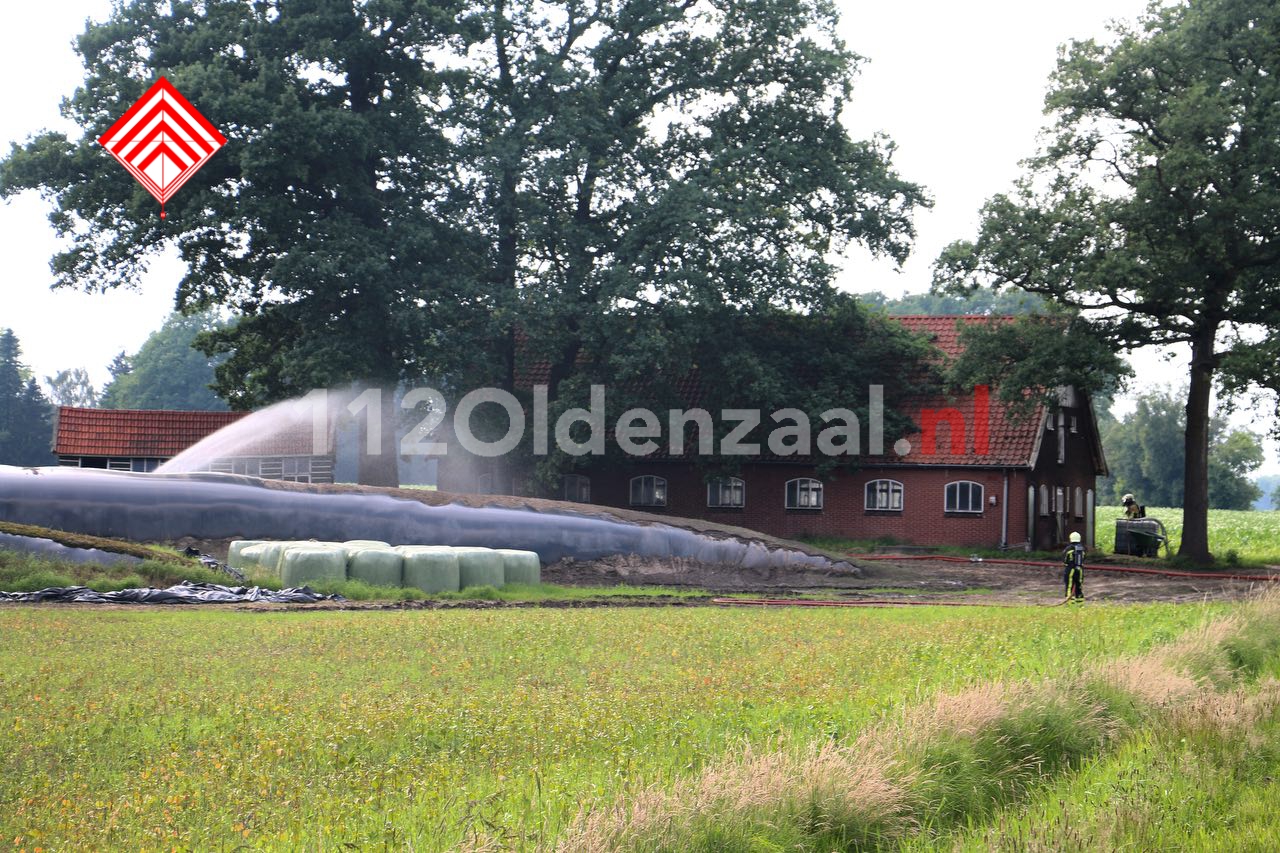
[[26, 424], [1145, 453], [167, 372], [1153, 212], [407, 184], [72, 387]]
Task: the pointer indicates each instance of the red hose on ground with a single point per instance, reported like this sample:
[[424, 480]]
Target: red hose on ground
[[1135, 570]]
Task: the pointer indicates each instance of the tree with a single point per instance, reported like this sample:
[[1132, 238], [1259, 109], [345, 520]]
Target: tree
[[767, 361], [1145, 454], [72, 387], [1154, 209], [1275, 497], [26, 427], [979, 302], [1232, 458], [167, 372], [409, 184]]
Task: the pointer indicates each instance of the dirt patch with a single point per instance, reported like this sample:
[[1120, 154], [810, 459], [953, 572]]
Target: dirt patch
[[908, 580], [632, 570]]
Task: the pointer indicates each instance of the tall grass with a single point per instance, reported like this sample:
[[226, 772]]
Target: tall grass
[[950, 765], [210, 729], [22, 572]]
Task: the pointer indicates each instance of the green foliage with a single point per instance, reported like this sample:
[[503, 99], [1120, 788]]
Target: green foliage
[[1151, 211], [1232, 458], [765, 360], [1145, 453], [932, 303], [26, 423], [167, 372], [1036, 353], [22, 572], [72, 387], [406, 184]]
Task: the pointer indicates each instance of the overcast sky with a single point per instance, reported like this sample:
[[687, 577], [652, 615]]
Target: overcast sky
[[959, 87]]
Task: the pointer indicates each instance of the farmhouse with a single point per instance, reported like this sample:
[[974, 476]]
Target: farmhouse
[[975, 475], [142, 440]]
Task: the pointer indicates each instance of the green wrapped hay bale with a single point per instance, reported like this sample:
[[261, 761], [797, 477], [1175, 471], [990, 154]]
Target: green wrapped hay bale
[[268, 556], [235, 553], [362, 544], [304, 563], [479, 567], [520, 566], [375, 566], [430, 568]]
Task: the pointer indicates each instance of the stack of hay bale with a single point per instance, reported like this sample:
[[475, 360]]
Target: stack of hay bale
[[430, 568]]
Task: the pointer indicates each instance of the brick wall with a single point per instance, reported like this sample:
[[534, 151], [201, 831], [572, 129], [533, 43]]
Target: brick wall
[[922, 520]]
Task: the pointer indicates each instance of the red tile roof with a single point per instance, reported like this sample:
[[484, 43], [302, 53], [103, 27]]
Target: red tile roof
[[944, 330], [1012, 439], [153, 434], [134, 432]]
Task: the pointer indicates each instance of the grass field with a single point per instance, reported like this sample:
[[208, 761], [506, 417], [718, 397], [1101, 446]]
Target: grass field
[[1253, 536], [135, 729]]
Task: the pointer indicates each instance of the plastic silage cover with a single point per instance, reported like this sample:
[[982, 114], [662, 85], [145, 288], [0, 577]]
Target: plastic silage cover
[[304, 563], [376, 566], [431, 568], [520, 566], [480, 567]]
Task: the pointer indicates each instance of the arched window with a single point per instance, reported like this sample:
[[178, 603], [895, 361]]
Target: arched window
[[804, 493], [884, 495], [575, 487], [1079, 502], [484, 484], [648, 491], [1044, 500], [727, 492], [963, 496]]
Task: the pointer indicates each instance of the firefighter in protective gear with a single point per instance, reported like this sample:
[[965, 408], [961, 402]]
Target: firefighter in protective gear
[[1131, 507], [1073, 569]]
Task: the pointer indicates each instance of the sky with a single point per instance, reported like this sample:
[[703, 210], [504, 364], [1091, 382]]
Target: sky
[[958, 86]]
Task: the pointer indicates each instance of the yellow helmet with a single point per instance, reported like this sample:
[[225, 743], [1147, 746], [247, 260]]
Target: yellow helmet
[[1075, 537]]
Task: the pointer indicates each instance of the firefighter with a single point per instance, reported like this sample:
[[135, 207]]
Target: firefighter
[[1131, 508], [1073, 569]]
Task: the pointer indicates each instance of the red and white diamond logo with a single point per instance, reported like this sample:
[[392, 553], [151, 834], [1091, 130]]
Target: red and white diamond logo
[[162, 140]]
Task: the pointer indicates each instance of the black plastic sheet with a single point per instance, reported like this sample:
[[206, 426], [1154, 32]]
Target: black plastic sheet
[[184, 593], [169, 507]]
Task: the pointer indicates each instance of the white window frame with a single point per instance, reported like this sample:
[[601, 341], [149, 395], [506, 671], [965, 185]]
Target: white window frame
[[810, 487], [982, 496], [297, 475], [1060, 500], [576, 488], [1079, 502], [893, 487], [657, 490], [733, 484], [1044, 500]]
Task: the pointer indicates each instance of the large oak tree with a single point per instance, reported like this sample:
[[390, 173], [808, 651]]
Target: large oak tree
[[1153, 212], [407, 184]]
